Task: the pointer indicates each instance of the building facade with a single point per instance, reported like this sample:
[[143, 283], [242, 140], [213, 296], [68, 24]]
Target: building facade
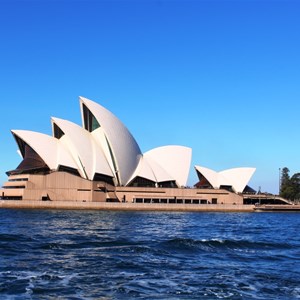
[[101, 161]]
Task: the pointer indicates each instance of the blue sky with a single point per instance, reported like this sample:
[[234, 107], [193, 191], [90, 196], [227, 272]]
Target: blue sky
[[222, 77]]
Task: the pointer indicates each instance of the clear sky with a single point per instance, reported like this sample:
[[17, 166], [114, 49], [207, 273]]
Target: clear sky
[[222, 77]]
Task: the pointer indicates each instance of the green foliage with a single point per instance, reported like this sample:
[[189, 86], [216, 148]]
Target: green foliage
[[290, 186]]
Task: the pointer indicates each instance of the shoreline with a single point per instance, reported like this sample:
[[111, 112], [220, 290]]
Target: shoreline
[[74, 205]]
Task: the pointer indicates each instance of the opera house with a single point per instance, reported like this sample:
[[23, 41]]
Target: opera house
[[101, 161]]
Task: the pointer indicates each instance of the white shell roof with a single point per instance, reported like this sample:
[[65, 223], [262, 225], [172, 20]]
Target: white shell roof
[[109, 150], [100, 139], [174, 159], [143, 170], [125, 150], [211, 176], [159, 171], [151, 170], [88, 155], [47, 147], [238, 178]]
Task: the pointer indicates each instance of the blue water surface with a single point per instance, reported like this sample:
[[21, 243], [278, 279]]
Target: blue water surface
[[66, 254]]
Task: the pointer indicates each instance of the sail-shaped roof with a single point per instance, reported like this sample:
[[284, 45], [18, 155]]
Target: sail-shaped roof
[[151, 170], [237, 178], [143, 170], [124, 150], [102, 149], [88, 155], [174, 159], [48, 148], [210, 175]]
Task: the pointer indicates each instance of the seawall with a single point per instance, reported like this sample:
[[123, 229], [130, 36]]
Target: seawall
[[24, 204]]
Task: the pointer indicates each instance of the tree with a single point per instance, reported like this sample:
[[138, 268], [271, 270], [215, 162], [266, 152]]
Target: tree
[[295, 183], [290, 186], [285, 177], [285, 183]]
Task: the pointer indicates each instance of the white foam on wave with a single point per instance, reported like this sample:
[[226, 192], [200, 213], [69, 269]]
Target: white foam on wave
[[296, 292], [218, 240], [213, 240], [35, 278]]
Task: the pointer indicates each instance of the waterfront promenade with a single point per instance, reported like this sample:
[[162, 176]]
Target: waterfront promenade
[[24, 204]]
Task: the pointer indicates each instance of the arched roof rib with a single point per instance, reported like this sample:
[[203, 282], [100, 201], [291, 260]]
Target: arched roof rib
[[124, 149], [101, 141]]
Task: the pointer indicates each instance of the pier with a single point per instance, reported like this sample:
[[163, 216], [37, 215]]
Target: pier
[[278, 208]]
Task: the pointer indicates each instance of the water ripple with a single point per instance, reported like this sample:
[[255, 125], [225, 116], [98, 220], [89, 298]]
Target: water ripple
[[118, 255]]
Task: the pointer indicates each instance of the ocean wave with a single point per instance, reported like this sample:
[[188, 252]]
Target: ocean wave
[[9, 237], [29, 282], [148, 256], [83, 244], [216, 243]]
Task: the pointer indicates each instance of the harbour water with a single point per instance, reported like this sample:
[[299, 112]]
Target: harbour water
[[68, 254]]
